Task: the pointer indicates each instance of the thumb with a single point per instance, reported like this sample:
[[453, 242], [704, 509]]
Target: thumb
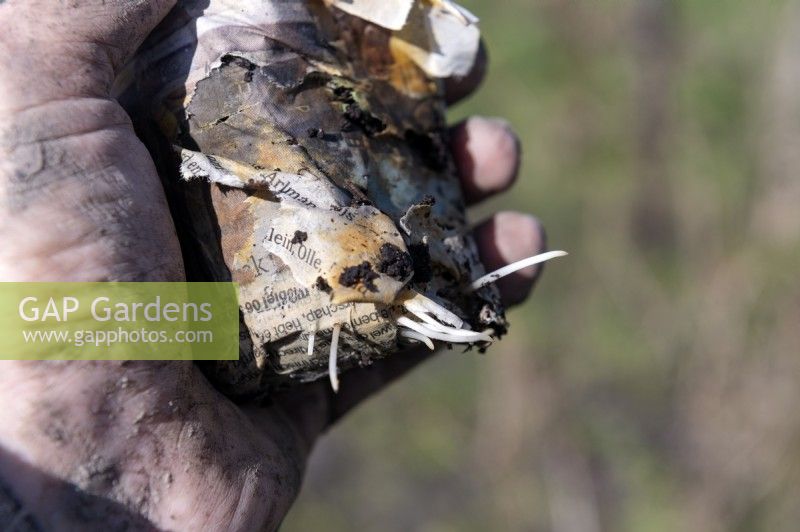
[[118, 26], [70, 49]]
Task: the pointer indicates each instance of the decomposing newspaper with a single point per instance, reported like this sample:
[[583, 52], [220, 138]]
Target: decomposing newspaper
[[304, 153]]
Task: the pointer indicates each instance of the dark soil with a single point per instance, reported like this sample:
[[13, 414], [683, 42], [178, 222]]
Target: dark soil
[[395, 262], [322, 285], [299, 237], [363, 273]]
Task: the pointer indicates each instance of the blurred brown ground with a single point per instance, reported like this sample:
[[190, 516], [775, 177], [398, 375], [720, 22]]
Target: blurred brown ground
[[653, 381]]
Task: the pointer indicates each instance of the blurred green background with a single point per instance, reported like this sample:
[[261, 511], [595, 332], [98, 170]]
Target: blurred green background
[[653, 381]]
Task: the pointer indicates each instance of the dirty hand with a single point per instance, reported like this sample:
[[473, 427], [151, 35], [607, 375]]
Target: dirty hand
[[105, 445]]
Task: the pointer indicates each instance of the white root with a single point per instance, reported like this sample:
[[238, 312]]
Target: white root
[[414, 335], [513, 267], [433, 324], [332, 369], [419, 304], [311, 336], [464, 333], [436, 326], [443, 336], [436, 322]]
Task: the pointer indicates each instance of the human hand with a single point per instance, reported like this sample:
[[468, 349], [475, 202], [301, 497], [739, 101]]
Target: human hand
[[152, 444]]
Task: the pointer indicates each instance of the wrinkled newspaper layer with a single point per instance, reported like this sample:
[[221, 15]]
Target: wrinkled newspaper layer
[[313, 171]]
